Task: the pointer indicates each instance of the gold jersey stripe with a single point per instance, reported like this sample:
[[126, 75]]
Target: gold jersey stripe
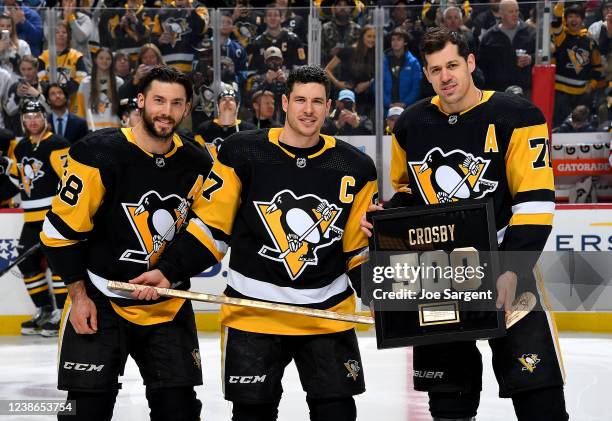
[[219, 212], [80, 216], [399, 167], [273, 322], [354, 238], [176, 139], [203, 238], [55, 242], [150, 314], [526, 164], [274, 138], [532, 219], [39, 289], [34, 278], [35, 216]]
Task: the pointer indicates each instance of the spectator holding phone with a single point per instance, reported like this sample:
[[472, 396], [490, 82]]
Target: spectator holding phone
[[26, 87], [148, 57], [11, 47], [29, 24]]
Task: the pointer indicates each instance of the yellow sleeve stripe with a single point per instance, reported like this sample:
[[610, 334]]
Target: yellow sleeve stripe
[[79, 217], [527, 160], [219, 209], [532, 219], [358, 260], [204, 236], [399, 166], [354, 238], [55, 242], [57, 159]]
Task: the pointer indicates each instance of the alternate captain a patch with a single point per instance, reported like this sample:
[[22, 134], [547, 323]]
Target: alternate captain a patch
[[298, 227], [450, 177]]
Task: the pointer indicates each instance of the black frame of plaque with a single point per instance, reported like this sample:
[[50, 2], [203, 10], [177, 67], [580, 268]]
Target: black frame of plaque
[[384, 319]]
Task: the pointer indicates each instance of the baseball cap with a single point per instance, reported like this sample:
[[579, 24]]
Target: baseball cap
[[346, 94], [272, 52], [395, 112]]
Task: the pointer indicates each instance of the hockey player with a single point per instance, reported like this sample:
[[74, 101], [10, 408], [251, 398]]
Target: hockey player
[[125, 195], [212, 133], [39, 161], [504, 138], [288, 202]]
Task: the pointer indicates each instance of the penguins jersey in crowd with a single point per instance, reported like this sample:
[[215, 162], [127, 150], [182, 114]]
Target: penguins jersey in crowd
[[211, 134], [103, 116], [36, 171], [7, 156], [497, 149], [187, 27], [116, 210], [289, 44], [577, 58], [291, 218]]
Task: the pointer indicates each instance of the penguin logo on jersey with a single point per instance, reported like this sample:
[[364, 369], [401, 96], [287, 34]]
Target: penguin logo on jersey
[[31, 170], [529, 362], [298, 227], [353, 369], [177, 28], [450, 177], [155, 220], [579, 58]]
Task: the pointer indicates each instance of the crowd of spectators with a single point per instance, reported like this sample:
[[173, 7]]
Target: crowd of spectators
[[105, 47]]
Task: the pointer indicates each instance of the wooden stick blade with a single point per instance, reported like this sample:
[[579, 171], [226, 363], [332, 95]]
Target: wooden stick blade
[[219, 299], [520, 308]]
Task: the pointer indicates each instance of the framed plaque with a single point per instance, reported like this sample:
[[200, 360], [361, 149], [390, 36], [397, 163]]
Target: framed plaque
[[432, 274]]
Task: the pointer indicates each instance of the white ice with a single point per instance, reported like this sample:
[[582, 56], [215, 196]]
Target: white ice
[[28, 371]]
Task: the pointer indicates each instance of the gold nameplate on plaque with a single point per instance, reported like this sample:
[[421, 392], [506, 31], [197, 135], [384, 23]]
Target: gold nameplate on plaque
[[439, 313]]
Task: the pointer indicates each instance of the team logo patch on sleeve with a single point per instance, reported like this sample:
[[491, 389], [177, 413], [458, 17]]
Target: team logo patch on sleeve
[[298, 227], [450, 177], [30, 170], [529, 362]]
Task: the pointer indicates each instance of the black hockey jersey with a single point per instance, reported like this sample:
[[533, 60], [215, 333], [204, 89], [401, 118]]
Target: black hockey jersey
[[497, 149], [36, 171], [211, 134], [289, 44], [117, 209], [292, 223]]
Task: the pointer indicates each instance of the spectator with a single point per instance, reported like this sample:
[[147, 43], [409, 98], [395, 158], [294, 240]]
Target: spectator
[[344, 119], [273, 78], [399, 13], [452, 18], [129, 112], [432, 15], [148, 57], [211, 134], [245, 23], [276, 36], [579, 121], [122, 66], [292, 22], [11, 47], [392, 115], [233, 49], [402, 71], [579, 66], [506, 53], [97, 98], [486, 19], [81, 28], [340, 32], [128, 28], [263, 110], [601, 32], [357, 71], [70, 65], [204, 101], [27, 87], [62, 122], [177, 29], [28, 23]]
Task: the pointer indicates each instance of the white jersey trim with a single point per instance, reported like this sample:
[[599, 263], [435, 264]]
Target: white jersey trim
[[269, 292], [38, 203], [533, 207]]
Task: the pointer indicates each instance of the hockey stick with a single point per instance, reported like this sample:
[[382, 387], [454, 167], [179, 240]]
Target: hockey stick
[[267, 251], [219, 299], [521, 307], [20, 258]]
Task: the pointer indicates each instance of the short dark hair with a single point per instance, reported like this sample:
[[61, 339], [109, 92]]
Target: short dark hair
[[435, 39], [308, 74], [166, 74], [55, 85], [580, 114], [575, 9]]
